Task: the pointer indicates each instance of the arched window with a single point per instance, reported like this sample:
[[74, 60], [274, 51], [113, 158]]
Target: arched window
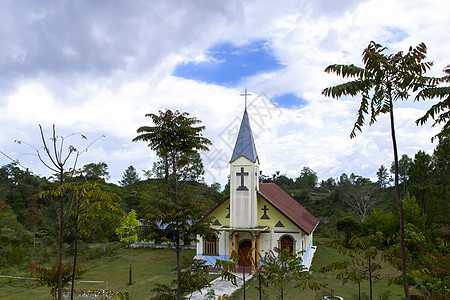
[[287, 241], [210, 245]]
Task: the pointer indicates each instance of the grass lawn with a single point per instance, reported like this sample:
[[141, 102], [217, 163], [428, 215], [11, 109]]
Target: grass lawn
[[326, 254], [149, 266]]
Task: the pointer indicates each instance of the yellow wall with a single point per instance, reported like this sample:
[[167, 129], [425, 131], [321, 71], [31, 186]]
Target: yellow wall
[[274, 216], [220, 213]]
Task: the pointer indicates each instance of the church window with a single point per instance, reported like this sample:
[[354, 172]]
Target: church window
[[287, 241], [210, 245]]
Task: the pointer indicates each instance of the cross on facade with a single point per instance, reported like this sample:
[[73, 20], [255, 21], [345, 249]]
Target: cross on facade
[[265, 216], [242, 187], [228, 216], [245, 94]]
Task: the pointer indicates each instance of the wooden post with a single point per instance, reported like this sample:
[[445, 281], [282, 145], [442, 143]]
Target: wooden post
[[253, 251], [257, 249], [230, 241]]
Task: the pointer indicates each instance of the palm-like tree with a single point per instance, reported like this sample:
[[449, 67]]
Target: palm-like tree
[[174, 137], [439, 112], [383, 80]]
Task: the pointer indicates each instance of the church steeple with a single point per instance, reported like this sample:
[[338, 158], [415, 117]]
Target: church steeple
[[245, 145], [244, 178]]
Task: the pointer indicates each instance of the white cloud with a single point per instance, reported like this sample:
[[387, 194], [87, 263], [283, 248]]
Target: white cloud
[[98, 68]]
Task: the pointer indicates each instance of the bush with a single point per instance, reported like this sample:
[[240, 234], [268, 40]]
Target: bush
[[410, 278]]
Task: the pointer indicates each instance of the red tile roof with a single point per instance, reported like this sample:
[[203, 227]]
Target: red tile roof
[[290, 208]]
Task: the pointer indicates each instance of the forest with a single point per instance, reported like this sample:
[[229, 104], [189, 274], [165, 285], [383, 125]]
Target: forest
[[345, 205]]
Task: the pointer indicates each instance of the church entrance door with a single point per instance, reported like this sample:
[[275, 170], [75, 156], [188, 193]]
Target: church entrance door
[[244, 249]]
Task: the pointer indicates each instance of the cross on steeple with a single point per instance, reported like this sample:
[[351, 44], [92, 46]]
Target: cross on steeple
[[245, 94], [242, 187]]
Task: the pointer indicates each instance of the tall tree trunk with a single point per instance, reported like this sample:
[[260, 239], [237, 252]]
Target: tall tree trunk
[[370, 278], [129, 276], [398, 199], [61, 235], [75, 249], [359, 290], [177, 234]]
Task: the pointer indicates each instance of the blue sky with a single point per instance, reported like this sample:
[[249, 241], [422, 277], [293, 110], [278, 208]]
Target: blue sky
[[228, 64]]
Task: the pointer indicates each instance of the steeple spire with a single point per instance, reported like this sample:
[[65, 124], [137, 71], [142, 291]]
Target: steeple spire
[[245, 145]]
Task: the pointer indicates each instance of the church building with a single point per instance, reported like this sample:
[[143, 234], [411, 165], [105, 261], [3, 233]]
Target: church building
[[256, 215]]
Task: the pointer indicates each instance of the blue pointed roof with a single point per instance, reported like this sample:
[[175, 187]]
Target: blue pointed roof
[[245, 145]]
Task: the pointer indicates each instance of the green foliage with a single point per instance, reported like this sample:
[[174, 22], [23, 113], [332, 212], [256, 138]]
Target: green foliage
[[365, 261], [193, 278], [349, 226], [420, 175], [175, 138], [96, 171], [307, 179], [14, 238], [173, 133], [191, 168], [228, 268], [403, 168], [49, 276], [129, 177], [128, 228], [384, 80], [382, 221], [435, 276], [439, 112], [172, 223], [383, 176], [280, 267]]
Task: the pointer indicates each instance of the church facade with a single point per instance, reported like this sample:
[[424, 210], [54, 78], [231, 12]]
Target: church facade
[[256, 216]]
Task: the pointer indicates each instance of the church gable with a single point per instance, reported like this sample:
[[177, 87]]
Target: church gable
[[271, 217], [220, 215], [288, 207]]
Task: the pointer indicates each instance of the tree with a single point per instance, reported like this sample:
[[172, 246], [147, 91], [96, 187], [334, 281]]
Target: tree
[[349, 226], [50, 276], [365, 262], [434, 275], [307, 179], [438, 210], [95, 171], [174, 136], [129, 177], [56, 158], [194, 277], [403, 166], [280, 267], [383, 176], [383, 80], [127, 231], [362, 199], [439, 112], [420, 174], [191, 169]]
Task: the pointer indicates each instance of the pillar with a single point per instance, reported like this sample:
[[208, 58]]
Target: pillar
[[230, 246], [257, 249], [253, 251]]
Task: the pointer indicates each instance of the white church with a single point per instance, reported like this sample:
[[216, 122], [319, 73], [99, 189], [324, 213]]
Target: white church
[[256, 215]]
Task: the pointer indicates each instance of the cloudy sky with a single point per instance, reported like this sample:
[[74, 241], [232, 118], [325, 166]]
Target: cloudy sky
[[97, 67]]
